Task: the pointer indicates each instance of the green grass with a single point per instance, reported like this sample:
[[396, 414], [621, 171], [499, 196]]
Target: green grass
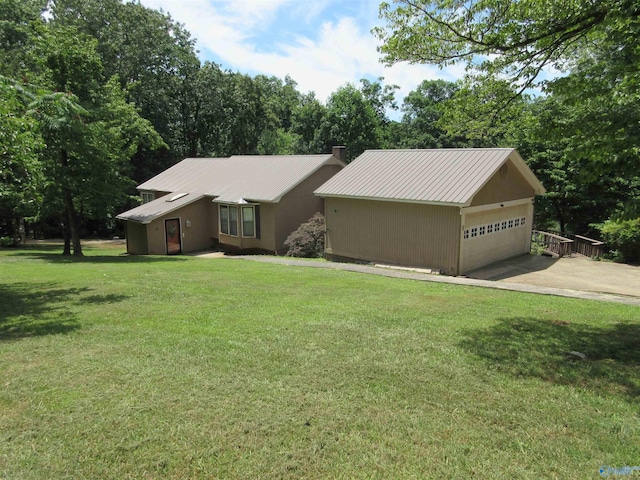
[[163, 367]]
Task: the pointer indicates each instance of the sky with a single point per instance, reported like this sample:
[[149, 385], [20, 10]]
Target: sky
[[321, 44]]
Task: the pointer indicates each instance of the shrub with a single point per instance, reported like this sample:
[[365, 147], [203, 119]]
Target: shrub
[[8, 242], [308, 239], [622, 238]]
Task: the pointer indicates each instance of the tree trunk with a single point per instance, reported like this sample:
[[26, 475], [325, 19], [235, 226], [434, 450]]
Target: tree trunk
[[66, 233], [73, 224], [559, 217], [71, 212]]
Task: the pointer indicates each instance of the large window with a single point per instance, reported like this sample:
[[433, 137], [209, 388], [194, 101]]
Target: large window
[[248, 222], [229, 221]]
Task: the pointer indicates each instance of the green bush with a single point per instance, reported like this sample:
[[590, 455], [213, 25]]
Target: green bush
[[308, 239], [622, 238], [7, 242]]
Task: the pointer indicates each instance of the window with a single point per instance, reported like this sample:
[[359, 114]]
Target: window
[[248, 222], [504, 225], [490, 228], [466, 234], [233, 221], [523, 221], [229, 220], [496, 226], [230, 223], [516, 222], [224, 219], [482, 230], [147, 197], [474, 232], [510, 223]]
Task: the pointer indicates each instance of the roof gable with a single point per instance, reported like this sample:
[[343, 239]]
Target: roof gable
[[443, 176]]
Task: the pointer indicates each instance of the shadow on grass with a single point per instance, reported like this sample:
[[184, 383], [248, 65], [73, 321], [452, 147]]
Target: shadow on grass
[[59, 258], [530, 347], [42, 309]]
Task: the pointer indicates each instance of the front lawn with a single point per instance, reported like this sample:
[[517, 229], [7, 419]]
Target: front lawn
[[175, 367]]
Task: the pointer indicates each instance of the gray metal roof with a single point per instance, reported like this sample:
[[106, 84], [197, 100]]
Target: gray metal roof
[[239, 179], [443, 176], [148, 212]]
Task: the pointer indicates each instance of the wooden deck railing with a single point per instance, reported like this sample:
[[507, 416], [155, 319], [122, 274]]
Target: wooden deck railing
[[588, 246], [553, 243]]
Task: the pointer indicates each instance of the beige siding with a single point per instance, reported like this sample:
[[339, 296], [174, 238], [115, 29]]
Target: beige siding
[[195, 228], [214, 231], [300, 204], [137, 239], [505, 185], [490, 246], [395, 233]]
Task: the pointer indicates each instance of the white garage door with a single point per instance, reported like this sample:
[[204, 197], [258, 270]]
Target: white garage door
[[496, 234]]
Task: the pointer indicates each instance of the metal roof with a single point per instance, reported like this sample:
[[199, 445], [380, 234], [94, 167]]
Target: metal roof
[[148, 212], [443, 176], [240, 178]]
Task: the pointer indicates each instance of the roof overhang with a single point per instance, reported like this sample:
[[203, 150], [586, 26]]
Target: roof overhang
[[394, 200], [148, 212]]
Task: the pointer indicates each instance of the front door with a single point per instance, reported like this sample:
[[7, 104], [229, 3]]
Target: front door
[[172, 232]]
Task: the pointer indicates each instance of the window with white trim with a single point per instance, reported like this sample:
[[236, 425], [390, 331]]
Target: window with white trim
[[474, 232], [466, 233], [229, 220], [248, 221], [147, 197], [490, 228], [236, 221]]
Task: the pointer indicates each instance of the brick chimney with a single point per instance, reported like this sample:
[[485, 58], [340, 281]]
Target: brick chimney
[[340, 152]]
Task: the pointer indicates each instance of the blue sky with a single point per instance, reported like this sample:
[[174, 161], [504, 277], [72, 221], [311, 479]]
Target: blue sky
[[321, 44]]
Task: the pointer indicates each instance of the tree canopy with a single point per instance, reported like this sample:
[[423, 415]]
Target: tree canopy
[[516, 38]]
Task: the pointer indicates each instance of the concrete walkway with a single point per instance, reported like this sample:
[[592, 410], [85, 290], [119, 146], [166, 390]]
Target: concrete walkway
[[496, 279]]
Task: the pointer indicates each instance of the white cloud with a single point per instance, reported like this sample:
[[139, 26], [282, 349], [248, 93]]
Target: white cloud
[[321, 53]]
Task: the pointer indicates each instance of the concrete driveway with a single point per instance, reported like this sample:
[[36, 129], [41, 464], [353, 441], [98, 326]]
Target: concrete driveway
[[574, 273]]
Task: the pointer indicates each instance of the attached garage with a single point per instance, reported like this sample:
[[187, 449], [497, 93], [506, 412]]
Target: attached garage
[[452, 210]]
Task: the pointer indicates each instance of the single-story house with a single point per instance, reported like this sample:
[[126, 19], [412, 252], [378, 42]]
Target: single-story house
[[452, 210], [250, 202]]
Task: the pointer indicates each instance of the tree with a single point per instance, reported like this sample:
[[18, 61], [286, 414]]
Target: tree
[[576, 197], [516, 38], [19, 22], [231, 115], [20, 168], [470, 112], [280, 99], [305, 121], [422, 110], [90, 132], [350, 120], [154, 59]]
